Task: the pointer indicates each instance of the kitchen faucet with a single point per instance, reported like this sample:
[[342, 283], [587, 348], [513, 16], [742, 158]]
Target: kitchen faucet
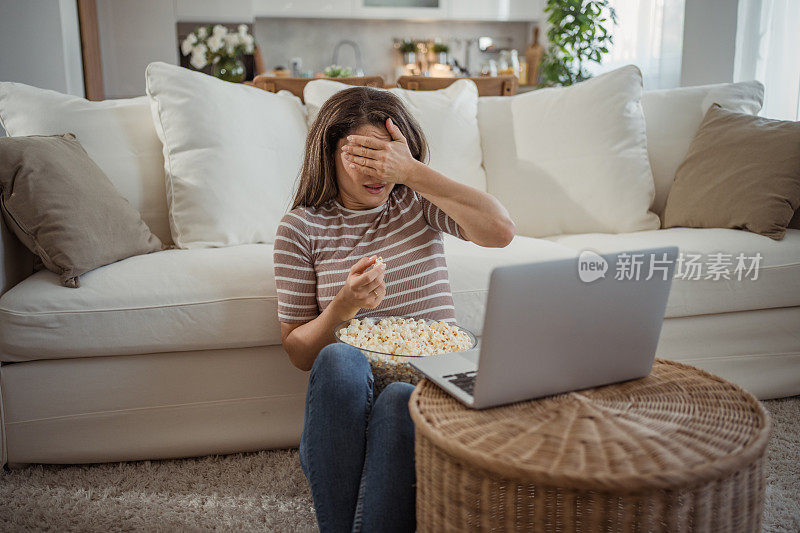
[[356, 50]]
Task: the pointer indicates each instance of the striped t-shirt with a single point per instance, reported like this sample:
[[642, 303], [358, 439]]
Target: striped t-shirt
[[315, 248]]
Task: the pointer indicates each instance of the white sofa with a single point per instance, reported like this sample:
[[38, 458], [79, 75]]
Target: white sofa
[[177, 353]]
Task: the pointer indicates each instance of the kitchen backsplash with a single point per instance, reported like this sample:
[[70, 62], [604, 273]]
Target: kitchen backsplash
[[313, 40]]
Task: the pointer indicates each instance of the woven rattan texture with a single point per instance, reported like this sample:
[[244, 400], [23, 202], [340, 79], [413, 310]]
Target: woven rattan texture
[[679, 450]]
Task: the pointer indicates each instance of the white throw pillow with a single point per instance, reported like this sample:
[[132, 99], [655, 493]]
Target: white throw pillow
[[232, 154], [571, 159], [673, 117], [117, 134], [448, 118]]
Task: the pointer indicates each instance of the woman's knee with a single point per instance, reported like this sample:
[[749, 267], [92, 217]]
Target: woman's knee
[[399, 392], [340, 361], [394, 399], [391, 417]]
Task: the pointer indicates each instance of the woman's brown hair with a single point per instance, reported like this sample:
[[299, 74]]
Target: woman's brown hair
[[339, 116]]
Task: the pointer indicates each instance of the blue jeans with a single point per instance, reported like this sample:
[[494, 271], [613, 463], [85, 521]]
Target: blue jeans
[[358, 457]]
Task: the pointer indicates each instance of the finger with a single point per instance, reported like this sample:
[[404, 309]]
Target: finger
[[369, 142], [369, 171], [354, 149], [363, 161], [394, 131], [365, 293], [362, 264], [378, 282], [369, 276], [376, 296], [358, 160]]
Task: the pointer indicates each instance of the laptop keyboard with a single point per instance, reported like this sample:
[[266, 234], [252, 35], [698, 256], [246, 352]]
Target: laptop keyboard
[[463, 380]]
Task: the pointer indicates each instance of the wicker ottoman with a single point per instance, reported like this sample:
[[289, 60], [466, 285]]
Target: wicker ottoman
[[679, 450]]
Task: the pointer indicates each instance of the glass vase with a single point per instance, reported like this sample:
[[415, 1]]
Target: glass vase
[[229, 69]]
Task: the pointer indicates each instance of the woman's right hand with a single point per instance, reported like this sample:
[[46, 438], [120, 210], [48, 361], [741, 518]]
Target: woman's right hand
[[363, 289]]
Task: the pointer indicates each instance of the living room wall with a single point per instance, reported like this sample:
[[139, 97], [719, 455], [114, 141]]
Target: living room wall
[[709, 42], [133, 34], [48, 33]]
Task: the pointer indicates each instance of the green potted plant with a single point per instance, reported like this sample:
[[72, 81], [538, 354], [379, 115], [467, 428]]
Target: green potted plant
[[222, 48], [337, 71], [578, 35], [441, 50], [409, 51]]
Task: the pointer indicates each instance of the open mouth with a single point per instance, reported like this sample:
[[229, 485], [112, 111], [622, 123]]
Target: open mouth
[[375, 189]]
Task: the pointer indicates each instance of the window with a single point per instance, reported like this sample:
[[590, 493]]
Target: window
[[648, 34], [767, 44]]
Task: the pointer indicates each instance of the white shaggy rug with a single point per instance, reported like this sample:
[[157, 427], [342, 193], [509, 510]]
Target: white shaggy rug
[[263, 491]]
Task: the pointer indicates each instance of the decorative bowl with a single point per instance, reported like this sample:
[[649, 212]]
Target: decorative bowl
[[386, 367]]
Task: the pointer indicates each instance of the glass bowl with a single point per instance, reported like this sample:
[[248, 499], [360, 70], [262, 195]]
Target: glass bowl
[[386, 367]]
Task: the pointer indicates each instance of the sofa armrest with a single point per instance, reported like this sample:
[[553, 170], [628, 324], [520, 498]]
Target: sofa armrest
[[16, 261]]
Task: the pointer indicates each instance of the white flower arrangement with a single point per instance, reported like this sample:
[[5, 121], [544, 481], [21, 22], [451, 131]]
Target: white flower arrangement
[[209, 44]]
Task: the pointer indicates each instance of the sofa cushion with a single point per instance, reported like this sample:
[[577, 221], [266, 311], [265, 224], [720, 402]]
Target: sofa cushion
[[172, 300], [741, 172], [199, 299], [225, 297], [673, 116], [448, 117], [232, 154], [470, 267], [64, 208], [777, 283], [117, 134], [562, 163]]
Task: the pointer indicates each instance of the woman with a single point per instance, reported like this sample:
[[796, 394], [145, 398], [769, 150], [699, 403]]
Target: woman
[[365, 192]]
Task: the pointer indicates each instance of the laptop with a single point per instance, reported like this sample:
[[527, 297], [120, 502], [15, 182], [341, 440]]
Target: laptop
[[559, 326]]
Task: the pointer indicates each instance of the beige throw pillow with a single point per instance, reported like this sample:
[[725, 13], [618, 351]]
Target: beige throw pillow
[[741, 172], [64, 209]]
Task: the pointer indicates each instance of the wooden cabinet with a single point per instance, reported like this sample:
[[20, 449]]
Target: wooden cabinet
[[527, 10], [496, 10], [402, 9], [489, 10], [303, 8], [211, 10]]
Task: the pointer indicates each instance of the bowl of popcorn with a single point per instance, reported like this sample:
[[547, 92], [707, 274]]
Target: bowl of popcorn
[[390, 343]]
